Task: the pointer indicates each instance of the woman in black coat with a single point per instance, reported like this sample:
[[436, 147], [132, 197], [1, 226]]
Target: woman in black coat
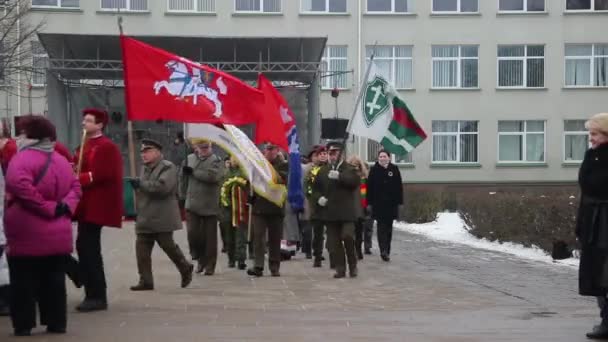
[[592, 220], [385, 195]]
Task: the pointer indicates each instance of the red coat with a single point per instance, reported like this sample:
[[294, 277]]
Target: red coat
[[101, 181], [7, 153]]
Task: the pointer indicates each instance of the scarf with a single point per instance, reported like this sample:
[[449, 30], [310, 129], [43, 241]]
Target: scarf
[[44, 145]]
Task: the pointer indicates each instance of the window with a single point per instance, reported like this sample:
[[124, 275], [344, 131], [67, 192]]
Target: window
[[197, 6], [521, 141], [521, 66], [455, 141], [575, 140], [455, 66], [586, 5], [374, 147], [521, 5], [455, 6], [395, 63], [126, 5], [323, 6], [586, 65], [389, 6], [40, 61], [56, 3], [334, 67], [262, 6]]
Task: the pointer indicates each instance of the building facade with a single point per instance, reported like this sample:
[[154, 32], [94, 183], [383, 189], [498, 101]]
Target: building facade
[[502, 87]]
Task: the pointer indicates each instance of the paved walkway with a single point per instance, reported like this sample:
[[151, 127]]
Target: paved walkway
[[430, 291]]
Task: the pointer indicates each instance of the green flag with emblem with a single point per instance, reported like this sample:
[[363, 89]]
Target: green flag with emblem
[[381, 115]]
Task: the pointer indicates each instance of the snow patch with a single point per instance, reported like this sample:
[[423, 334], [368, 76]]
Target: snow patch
[[450, 227]]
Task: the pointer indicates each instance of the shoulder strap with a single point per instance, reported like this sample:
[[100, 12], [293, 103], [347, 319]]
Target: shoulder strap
[[45, 168]]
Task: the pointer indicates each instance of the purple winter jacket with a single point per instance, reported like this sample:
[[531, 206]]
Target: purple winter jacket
[[29, 219]]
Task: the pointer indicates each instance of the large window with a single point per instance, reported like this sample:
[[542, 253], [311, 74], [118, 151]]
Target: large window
[[323, 6], [575, 140], [455, 141], [195, 6], [586, 5], [395, 63], [521, 5], [455, 6], [455, 66], [125, 5], [389, 6], [334, 66], [521, 66], [40, 61], [56, 3], [372, 154], [262, 6], [521, 141], [586, 65]]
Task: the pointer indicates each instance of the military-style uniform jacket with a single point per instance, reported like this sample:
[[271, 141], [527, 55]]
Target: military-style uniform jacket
[[157, 207], [203, 186], [340, 205], [262, 206]]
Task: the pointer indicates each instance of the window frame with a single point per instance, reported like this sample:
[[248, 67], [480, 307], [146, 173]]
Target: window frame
[[591, 57], [127, 7], [459, 59], [525, 59], [393, 77], [196, 10], [326, 11], [458, 11], [565, 133], [392, 11], [591, 10], [524, 143], [326, 58], [34, 72], [366, 142], [458, 135], [59, 5], [261, 11], [524, 10]]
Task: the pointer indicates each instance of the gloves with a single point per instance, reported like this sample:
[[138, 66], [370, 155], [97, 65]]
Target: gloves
[[322, 201], [135, 183], [187, 170], [62, 209], [333, 174]]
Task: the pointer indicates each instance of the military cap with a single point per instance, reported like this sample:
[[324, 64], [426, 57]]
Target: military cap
[[147, 144], [335, 145]]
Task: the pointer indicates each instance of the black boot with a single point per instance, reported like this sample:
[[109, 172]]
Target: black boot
[[599, 332], [255, 271], [142, 287], [231, 264], [317, 262], [368, 251], [187, 275], [200, 267], [92, 304], [242, 265]]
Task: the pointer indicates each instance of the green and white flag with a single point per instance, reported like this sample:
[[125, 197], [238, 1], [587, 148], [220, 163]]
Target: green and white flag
[[381, 115]]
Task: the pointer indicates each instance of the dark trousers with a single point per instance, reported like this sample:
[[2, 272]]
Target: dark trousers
[[38, 281], [318, 237], [236, 243], [342, 236], [385, 236], [144, 244], [364, 229], [602, 303], [273, 227], [88, 246], [306, 236], [202, 239]]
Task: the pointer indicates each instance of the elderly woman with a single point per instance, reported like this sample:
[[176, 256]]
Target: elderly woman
[[42, 193], [592, 220]]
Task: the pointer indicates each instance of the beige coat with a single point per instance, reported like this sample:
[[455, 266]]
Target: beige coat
[[157, 207]]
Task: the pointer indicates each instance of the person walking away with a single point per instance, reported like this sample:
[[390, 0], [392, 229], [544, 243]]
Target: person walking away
[[267, 219], [203, 173], [42, 193], [592, 220], [335, 187], [385, 195], [101, 205], [158, 215]]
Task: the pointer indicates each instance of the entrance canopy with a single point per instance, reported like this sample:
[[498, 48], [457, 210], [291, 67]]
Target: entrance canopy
[[98, 57]]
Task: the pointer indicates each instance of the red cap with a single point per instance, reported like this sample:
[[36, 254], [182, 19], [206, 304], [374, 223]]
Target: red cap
[[101, 116]]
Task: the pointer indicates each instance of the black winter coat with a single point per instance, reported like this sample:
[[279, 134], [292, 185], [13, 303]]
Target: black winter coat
[[384, 192], [592, 222]]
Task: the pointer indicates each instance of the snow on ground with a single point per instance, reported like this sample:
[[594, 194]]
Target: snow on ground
[[449, 227]]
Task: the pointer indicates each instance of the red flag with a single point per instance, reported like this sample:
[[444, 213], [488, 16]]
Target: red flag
[[276, 120], [163, 86]]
